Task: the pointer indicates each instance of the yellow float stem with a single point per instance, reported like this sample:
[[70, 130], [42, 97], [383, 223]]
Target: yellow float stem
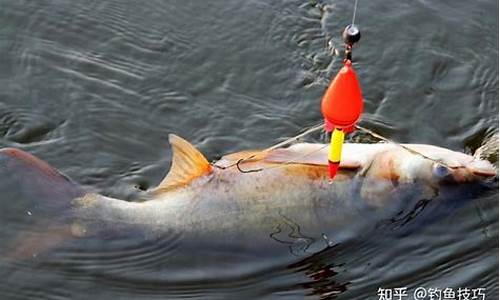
[[336, 143], [335, 153]]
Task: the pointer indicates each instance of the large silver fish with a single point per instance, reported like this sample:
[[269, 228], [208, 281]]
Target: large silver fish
[[288, 202]]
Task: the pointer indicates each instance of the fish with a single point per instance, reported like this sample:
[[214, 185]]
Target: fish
[[246, 200]]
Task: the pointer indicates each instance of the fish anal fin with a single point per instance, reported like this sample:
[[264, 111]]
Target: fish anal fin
[[187, 164]]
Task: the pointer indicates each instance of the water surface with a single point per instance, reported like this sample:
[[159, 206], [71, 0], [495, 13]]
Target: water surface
[[95, 87]]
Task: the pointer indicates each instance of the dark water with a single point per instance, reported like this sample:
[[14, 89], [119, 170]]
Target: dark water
[[95, 87]]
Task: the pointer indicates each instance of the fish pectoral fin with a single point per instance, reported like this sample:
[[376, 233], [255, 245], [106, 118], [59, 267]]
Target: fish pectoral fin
[[187, 164]]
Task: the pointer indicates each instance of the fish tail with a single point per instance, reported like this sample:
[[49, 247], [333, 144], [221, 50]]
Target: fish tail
[[36, 201]]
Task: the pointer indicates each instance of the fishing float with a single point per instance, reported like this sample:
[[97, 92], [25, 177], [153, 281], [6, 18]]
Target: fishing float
[[342, 103]]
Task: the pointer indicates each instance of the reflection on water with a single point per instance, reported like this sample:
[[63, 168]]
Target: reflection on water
[[321, 274], [95, 87]]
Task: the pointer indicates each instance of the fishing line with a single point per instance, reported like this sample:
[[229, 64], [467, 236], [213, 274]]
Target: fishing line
[[355, 11], [311, 130], [319, 127], [295, 138], [412, 151], [281, 164]]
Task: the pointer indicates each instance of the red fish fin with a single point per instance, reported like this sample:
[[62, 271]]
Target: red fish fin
[[187, 164]]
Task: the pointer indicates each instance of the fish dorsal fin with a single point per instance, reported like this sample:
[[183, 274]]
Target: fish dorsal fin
[[187, 164]]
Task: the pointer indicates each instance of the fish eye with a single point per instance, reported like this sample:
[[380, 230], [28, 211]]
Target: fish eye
[[440, 170]]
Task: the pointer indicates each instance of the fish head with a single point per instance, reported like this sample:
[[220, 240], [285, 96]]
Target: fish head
[[407, 163], [390, 172], [414, 185], [440, 166]]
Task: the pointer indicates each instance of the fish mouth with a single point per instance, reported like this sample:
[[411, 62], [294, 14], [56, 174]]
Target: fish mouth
[[485, 174], [474, 171], [482, 169]]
